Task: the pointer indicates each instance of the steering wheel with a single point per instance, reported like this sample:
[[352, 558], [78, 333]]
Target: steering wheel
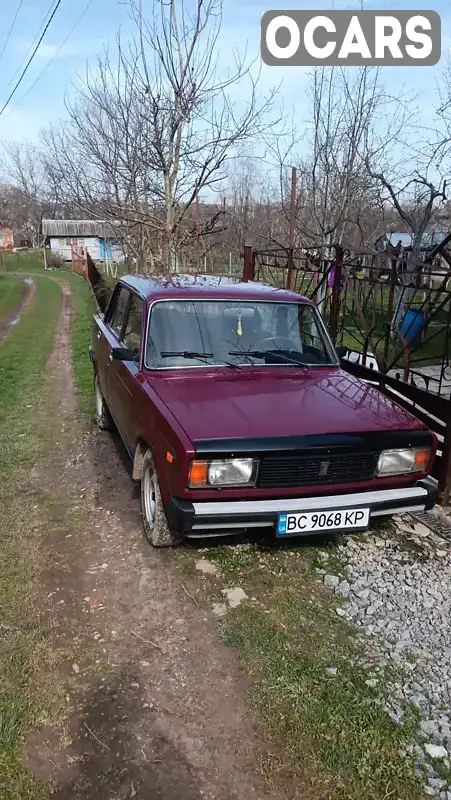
[[277, 343]]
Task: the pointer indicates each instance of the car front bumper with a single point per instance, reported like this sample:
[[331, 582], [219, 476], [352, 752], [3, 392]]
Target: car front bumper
[[203, 518]]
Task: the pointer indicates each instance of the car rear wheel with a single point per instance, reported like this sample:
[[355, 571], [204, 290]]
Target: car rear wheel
[[103, 416], [156, 525]]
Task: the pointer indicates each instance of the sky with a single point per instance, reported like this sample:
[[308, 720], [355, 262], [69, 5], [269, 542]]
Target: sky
[[34, 106]]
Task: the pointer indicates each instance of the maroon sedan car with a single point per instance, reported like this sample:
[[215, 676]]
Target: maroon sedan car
[[233, 406]]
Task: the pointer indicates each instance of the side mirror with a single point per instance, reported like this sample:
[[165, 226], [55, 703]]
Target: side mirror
[[342, 351], [124, 354]]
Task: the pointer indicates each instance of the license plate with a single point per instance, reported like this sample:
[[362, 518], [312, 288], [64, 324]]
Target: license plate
[[311, 521]]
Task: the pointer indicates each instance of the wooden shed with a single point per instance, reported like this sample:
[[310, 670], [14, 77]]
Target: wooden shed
[[98, 237]]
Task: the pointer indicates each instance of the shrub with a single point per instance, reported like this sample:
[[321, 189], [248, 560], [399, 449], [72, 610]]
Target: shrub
[[54, 261]]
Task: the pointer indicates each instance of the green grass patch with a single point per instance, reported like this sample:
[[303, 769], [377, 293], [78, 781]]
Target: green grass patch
[[23, 355], [11, 291], [330, 728], [29, 260], [25, 691], [84, 308]]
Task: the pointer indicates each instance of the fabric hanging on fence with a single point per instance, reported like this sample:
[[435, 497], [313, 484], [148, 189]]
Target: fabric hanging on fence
[[331, 279]]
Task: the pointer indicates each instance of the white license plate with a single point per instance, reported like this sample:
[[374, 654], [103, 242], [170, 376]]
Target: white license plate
[[311, 521]]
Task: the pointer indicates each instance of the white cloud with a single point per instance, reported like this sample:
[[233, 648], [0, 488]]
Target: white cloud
[[73, 48], [47, 51]]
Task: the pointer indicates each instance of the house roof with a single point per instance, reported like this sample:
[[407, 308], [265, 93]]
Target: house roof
[[77, 227]]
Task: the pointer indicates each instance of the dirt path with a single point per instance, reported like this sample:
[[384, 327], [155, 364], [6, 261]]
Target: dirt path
[[156, 705]]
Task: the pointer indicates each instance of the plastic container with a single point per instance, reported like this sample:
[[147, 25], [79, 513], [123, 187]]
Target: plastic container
[[413, 326]]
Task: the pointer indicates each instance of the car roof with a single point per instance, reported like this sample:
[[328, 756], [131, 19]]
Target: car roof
[[183, 286]]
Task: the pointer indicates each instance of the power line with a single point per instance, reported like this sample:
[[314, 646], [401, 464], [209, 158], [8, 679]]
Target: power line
[[31, 57], [48, 12], [8, 35], [55, 55]]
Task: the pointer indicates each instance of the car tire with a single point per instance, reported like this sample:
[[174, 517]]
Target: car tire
[[103, 416], [156, 526]]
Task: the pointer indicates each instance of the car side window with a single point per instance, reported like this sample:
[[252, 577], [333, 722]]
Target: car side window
[[118, 311], [133, 328]]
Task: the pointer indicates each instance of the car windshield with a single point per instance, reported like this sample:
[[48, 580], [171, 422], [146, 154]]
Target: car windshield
[[236, 333]]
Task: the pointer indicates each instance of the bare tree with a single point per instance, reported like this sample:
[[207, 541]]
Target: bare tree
[[27, 195], [156, 125], [333, 184], [412, 176], [253, 211]]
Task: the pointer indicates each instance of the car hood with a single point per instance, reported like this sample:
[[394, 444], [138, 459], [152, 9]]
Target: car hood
[[284, 402]]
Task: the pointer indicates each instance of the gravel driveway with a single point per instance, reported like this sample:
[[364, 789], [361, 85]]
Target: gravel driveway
[[396, 592]]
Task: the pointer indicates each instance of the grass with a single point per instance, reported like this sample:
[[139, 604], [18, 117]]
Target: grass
[[22, 360], [22, 261], [330, 729], [84, 307], [11, 291], [24, 656], [80, 340]]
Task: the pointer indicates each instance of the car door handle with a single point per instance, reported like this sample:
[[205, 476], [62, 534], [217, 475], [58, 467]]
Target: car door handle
[[110, 357], [99, 334]]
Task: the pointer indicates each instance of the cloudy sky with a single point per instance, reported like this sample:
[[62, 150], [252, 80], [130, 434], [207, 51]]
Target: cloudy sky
[[40, 98]]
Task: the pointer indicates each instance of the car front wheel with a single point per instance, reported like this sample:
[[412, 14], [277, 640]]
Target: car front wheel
[[156, 525]]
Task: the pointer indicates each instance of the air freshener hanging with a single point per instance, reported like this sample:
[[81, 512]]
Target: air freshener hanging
[[239, 328]]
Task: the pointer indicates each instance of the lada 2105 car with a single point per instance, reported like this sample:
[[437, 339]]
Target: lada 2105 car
[[232, 403]]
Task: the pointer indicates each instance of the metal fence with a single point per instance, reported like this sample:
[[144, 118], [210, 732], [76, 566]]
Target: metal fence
[[373, 307], [431, 409], [393, 321]]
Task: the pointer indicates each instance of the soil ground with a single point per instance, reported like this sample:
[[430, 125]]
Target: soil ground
[[154, 704], [113, 679]]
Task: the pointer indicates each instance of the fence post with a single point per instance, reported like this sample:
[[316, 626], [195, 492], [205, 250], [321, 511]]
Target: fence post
[[407, 357], [391, 298], [290, 262], [336, 292], [248, 267]]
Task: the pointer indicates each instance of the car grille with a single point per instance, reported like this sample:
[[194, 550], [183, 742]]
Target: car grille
[[316, 470]]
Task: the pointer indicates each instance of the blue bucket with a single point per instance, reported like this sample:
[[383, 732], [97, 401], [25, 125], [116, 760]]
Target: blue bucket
[[413, 326]]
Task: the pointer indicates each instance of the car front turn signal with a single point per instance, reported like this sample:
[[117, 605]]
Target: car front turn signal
[[231, 472]]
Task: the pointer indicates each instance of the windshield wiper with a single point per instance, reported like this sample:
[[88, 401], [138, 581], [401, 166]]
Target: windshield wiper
[[198, 356], [185, 354], [264, 353]]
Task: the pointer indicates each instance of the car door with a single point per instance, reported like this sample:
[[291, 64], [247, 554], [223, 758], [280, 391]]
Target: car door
[[123, 376], [105, 334]]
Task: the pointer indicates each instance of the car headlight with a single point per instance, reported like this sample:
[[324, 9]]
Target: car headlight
[[402, 462], [226, 472]]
